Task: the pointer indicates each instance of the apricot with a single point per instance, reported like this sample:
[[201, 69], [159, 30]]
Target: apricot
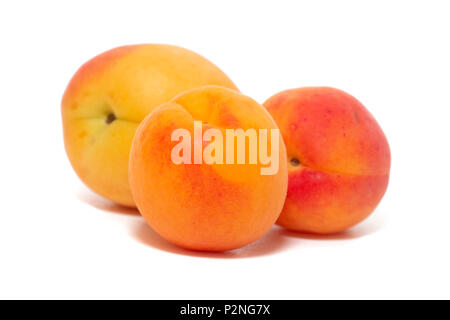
[[339, 159], [111, 94], [202, 205]]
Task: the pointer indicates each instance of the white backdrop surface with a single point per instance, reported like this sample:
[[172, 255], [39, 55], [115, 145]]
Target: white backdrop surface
[[59, 240]]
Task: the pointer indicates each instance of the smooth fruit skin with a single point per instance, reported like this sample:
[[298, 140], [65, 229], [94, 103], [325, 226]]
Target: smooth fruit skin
[[111, 94], [339, 159], [205, 207]]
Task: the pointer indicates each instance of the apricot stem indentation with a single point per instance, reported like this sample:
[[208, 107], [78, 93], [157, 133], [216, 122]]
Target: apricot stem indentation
[[110, 118], [295, 162]]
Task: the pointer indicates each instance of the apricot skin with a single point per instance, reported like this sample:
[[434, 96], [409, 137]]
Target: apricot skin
[[341, 164], [204, 207], [111, 94]]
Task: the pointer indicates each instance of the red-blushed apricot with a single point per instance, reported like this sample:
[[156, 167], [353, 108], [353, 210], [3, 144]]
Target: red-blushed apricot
[[111, 94], [339, 159], [211, 207]]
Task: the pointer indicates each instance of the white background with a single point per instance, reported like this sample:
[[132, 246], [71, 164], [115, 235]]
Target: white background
[[58, 240]]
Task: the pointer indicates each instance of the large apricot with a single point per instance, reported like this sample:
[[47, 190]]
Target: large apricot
[[111, 94]]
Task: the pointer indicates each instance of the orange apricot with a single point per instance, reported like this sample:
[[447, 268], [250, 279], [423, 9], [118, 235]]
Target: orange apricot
[[210, 206]]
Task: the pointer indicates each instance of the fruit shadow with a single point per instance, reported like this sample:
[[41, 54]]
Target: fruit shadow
[[276, 240], [271, 243], [98, 202]]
